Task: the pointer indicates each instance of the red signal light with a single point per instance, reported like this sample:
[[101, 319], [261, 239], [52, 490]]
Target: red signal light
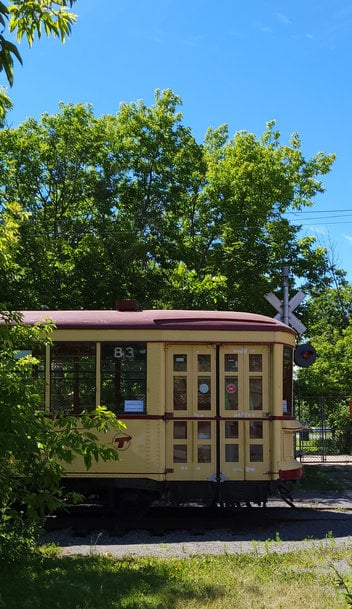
[[305, 355]]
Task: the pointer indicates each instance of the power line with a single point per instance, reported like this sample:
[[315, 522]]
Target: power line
[[322, 211], [313, 223], [339, 216]]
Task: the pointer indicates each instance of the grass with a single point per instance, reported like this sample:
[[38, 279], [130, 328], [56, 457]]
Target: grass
[[327, 477], [241, 581], [316, 578]]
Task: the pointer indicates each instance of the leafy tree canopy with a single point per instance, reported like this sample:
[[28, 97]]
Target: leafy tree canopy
[[325, 388], [330, 331], [132, 205], [34, 446], [28, 19]]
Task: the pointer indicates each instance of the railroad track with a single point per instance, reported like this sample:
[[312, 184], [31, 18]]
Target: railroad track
[[82, 519]]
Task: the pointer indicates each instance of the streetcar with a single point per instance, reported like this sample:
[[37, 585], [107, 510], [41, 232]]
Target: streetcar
[[206, 397]]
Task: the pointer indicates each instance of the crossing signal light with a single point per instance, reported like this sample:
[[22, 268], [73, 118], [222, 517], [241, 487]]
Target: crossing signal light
[[305, 355]]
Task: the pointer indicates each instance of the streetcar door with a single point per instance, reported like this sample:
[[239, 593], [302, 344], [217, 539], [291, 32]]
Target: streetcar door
[[190, 412], [244, 412]]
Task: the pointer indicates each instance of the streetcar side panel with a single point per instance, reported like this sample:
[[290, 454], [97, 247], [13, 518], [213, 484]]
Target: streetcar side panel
[[138, 399], [207, 408]]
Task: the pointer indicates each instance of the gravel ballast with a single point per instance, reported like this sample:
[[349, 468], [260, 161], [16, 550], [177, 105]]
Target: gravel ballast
[[329, 522]]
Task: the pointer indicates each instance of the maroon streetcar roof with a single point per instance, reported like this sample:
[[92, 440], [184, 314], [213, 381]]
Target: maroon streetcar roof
[[156, 319]]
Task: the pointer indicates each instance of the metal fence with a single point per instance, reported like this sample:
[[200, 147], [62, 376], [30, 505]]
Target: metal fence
[[326, 435]]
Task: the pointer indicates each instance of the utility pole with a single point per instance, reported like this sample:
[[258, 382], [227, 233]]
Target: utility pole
[[285, 307], [285, 276]]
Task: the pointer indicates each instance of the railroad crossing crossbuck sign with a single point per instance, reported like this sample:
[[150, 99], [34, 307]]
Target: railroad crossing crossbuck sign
[[285, 313]]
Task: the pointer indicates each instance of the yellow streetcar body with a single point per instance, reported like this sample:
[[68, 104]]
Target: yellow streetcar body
[[206, 397]]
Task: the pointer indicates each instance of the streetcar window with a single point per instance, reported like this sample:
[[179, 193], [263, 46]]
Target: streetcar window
[[255, 362], [180, 430], [72, 377], [231, 429], [256, 430], [231, 453], [204, 362], [204, 453], [255, 393], [180, 363], [124, 377], [180, 393], [204, 430], [180, 453], [231, 362], [287, 380], [256, 452], [231, 393], [204, 393]]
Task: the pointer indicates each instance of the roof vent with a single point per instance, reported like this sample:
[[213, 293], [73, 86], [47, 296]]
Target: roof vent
[[126, 305]]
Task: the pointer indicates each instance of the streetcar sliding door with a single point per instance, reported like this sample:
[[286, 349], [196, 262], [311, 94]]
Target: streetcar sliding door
[[191, 412], [217, 413], [244, 412]]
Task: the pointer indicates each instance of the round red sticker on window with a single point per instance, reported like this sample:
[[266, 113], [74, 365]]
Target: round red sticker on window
[[231, 388]]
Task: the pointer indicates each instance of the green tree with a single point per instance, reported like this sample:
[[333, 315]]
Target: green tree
[[161, 171], [328, 318], [62, 167], [325, 388], [103, 197], [132, 206], [251, 184], [28, 19], [34, 446]]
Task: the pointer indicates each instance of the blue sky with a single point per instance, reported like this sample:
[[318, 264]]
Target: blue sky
[[234, 62]]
